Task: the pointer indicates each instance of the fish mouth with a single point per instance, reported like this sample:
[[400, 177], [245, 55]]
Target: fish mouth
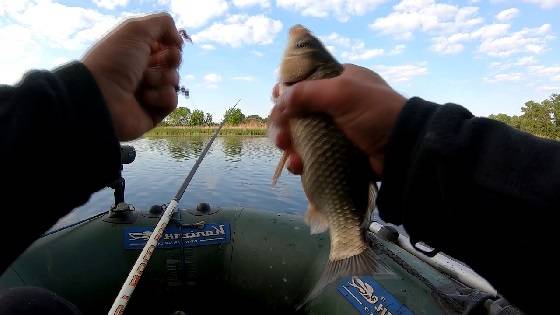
[[298, 29]]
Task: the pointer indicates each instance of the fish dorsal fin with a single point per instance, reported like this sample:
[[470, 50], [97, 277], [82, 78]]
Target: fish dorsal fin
[[317, 221], [279, 168]]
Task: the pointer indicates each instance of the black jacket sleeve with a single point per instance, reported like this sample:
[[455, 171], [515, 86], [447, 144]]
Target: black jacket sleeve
[[476, 189], [57, 147]]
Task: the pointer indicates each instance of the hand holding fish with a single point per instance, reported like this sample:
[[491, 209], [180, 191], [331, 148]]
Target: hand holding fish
[[362, 105], [135, 67], [331, 126]]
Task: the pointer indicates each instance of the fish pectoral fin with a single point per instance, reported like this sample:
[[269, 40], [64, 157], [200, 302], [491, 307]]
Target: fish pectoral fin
[[279, 168], [372, 198], [316, 220]]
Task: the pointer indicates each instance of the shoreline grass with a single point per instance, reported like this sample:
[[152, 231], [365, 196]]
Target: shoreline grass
[[169, 131]]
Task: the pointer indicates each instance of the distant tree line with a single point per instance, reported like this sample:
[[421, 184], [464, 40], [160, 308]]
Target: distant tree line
[[541, 119], [183, 116]]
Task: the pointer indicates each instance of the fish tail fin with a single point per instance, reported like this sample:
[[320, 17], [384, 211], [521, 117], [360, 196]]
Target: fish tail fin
[[279, 168], [362, 264], [317, 221]]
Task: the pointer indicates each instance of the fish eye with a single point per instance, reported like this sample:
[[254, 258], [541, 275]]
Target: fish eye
[[304, 43]]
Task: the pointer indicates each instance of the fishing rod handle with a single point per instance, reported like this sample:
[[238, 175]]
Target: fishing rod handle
[[135, 274]]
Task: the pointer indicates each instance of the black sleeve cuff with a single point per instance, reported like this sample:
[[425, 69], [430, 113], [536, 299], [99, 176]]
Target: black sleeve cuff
[[405, 137]]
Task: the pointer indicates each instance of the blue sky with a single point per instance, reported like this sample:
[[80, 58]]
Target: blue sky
[[489, 56]]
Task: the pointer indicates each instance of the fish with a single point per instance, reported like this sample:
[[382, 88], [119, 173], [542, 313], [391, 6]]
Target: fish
[[336, 176]]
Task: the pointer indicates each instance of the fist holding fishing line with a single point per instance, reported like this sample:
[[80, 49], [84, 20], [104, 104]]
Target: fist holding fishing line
[[136, 69]]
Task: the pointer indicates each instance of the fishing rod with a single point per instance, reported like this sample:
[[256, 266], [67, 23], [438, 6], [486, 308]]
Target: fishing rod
[[142, 261]]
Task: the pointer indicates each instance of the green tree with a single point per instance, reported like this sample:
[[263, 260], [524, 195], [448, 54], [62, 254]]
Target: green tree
[[255, 117], [197, 118], [537, 119], [554, 103], [501, 117], [208, 119], [234, 116], [541, 119], [179, 117]]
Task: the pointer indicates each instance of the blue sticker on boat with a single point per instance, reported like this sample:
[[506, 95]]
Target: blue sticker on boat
[[369, 297], [176, 237]]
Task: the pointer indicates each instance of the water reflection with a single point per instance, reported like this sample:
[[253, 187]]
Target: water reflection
[[232, 147], [178, 148], [236, 172]]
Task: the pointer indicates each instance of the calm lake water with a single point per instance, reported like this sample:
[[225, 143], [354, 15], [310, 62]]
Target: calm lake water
[[236, 172]]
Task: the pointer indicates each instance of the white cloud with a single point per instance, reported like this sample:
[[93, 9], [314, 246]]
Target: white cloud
[[453, 26], [212, 78], [110, 4], [359, 52], [207, 47], [76, 30], [238, 30], [427, 16], [501, 77], [21, 55], [528, 40], [336, 39], [401, 73], [354, 49], [501, 66], [35, 36], [552, 71], [545, 4], [491, 31], [190, 77], [57, 62], [496, 64], [496, 40], [247, 78], [9, 7], [363, 55], [554, 89], [398, 49], [196, 13], [453, 44], [524, 68], [450, 45], [342, 10], [526, 61], [507, 15], [257, 53], [250, 3]]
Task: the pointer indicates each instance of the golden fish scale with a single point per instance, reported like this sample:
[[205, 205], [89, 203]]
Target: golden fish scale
[[334, 181]]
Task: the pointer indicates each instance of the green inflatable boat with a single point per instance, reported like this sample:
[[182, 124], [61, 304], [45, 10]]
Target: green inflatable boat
[[240, 261]]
